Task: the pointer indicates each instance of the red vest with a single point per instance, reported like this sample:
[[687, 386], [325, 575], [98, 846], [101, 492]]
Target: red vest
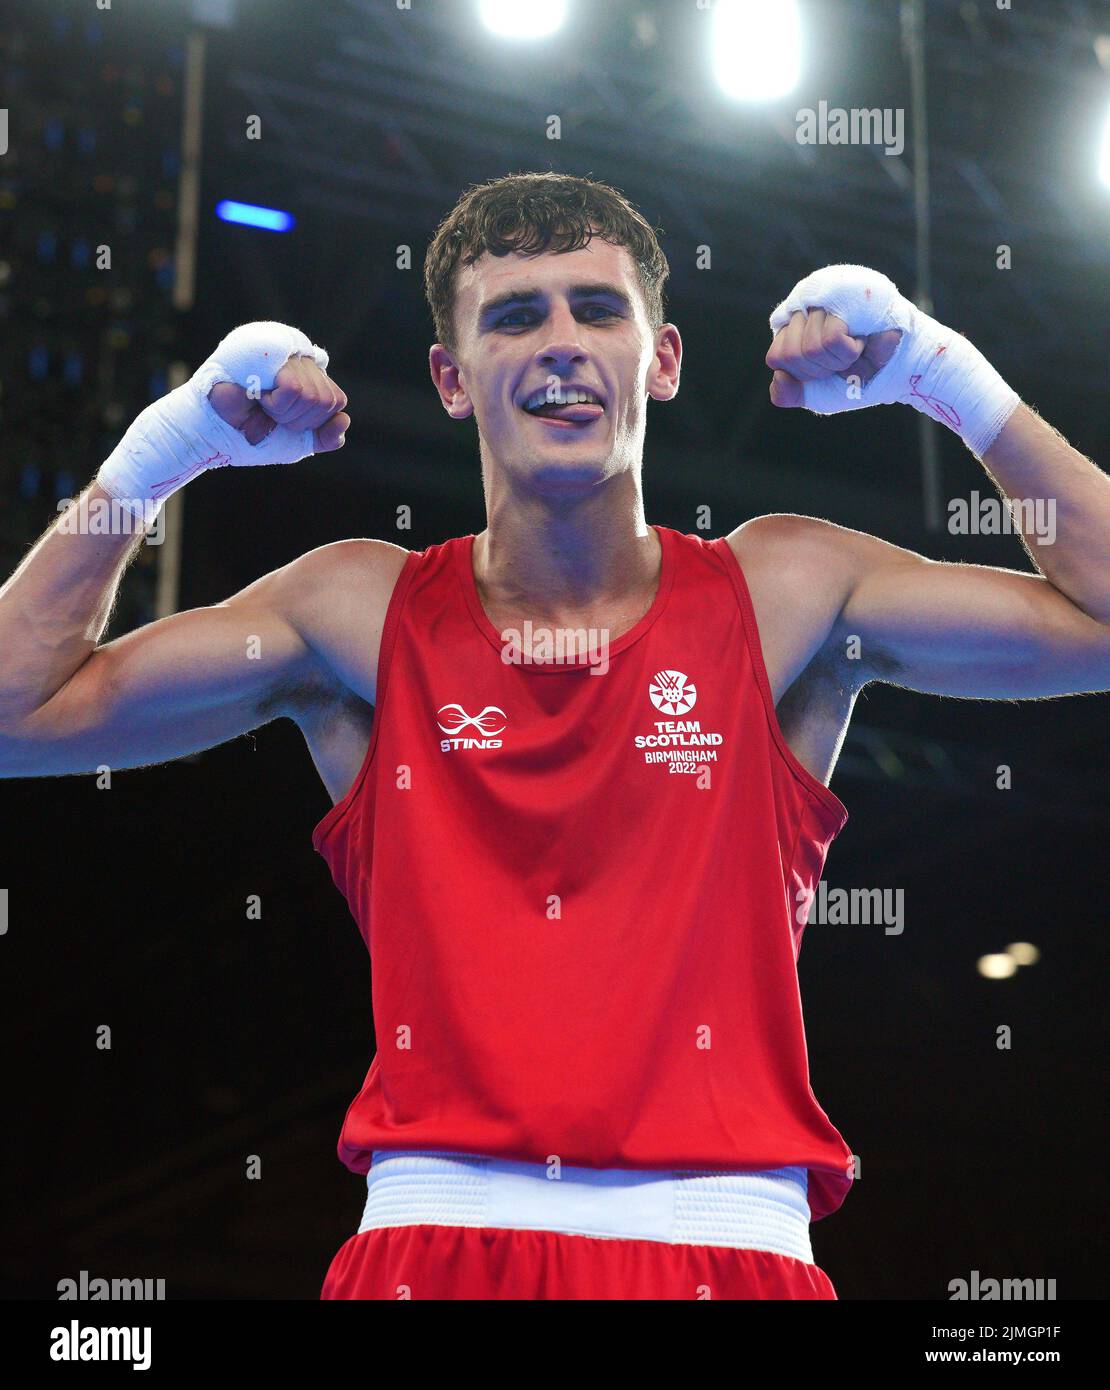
[[581, 892]]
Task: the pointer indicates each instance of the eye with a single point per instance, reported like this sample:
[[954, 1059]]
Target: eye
[[504, 321]]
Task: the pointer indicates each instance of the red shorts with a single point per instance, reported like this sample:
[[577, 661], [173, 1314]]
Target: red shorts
[[460, 1262]]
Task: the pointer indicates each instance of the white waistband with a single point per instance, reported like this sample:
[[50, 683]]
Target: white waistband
[[766, 1210]]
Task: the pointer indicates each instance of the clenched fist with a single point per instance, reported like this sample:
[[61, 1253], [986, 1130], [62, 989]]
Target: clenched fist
[[304, 397], [818, 346], [263, 397], [844, 338]]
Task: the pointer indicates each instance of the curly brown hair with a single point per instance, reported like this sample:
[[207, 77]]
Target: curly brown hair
[[533, 213]]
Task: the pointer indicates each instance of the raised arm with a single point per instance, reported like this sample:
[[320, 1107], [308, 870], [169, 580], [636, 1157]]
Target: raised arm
[[196, 678], [974, 631], [845, 339], [186, 682]]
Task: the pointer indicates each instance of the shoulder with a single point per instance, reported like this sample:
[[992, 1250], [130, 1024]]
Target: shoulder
[[357, 559], [801, 572], [787, 533], [361, 570], [336, 598], [808, 550]]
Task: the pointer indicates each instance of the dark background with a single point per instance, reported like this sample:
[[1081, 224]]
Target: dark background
[[128, 906]]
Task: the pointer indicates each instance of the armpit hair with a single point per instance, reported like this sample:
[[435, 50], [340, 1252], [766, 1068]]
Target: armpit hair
[[303, 697]]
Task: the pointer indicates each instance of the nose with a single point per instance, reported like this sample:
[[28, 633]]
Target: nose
[[563, 345]]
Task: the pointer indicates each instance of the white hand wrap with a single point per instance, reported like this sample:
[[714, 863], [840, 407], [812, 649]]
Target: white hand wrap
[[181, 436], [934, 369]]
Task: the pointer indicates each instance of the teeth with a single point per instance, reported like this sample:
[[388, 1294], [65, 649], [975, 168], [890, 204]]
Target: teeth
[[571, 395]]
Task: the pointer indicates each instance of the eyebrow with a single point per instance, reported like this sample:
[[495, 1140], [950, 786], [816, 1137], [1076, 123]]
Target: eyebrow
[[530, 295]]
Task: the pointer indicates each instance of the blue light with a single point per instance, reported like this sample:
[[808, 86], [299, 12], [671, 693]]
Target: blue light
[[269, 219]]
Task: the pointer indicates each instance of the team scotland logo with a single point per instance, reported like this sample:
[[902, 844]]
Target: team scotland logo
[[672, 693]]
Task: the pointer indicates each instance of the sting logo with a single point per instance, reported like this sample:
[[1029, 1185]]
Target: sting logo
[[489, 722]]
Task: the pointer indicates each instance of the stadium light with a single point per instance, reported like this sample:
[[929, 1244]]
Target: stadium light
[[757, 48], [997, 967], [1024, 952], [523, 19], [247, 215]]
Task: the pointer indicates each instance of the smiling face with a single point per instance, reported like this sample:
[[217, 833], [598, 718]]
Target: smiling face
[[530, 330]]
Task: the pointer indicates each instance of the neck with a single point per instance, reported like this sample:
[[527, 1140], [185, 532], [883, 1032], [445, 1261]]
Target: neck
[[549, 558]]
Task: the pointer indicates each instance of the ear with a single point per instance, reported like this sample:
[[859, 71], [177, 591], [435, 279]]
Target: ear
[[666, 365], [447, 379]]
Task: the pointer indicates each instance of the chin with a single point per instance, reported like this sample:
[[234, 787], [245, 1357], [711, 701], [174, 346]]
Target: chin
[[567, 479]]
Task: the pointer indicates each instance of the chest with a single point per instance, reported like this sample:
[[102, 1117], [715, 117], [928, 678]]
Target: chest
[[810, 688]]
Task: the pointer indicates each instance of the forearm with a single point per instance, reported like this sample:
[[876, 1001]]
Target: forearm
[[1062, 508], [846, 339], [55, 607]]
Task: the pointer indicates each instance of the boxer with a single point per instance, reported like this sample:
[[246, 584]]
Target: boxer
[[568, 1100]]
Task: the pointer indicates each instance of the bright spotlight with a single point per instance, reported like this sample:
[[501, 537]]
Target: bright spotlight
[[523, 19], [1024, 952], [757, 48], [1104, 153], [999, 967]]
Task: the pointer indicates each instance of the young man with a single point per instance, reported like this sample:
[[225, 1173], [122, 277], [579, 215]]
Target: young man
[[579, 763]]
